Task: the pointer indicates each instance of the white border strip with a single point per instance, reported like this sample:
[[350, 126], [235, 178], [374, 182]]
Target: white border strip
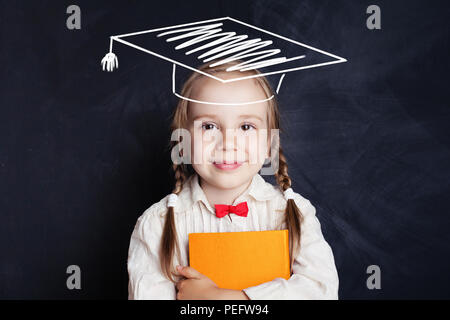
[[214, 103]]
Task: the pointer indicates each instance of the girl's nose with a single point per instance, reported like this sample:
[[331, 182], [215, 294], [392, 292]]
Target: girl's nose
[[229, 137]]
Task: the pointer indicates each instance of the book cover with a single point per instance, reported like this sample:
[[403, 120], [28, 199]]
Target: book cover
[[238, 260]]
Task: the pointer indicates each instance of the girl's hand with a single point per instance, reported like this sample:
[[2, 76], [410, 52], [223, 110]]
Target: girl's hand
[[196, 286]]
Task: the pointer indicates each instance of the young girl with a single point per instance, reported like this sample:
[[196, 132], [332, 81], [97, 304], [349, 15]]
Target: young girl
[[158, 253]]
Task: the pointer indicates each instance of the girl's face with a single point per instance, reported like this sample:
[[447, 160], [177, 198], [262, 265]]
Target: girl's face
[[229, 142]]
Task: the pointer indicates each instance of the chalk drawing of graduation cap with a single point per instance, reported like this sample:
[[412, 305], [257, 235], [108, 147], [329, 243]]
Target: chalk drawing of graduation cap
[[220, 41]]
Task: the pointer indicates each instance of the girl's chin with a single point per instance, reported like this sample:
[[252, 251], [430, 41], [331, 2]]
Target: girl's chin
[[228, 181]]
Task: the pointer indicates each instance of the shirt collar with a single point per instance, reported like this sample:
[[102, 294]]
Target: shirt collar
[[258, 189]]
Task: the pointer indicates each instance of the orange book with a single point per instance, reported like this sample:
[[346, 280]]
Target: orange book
[[238, 260]]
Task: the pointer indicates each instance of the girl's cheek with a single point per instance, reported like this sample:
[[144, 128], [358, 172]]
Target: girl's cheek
[[197, 146], [203, 147], [251, 145], [198, 152]]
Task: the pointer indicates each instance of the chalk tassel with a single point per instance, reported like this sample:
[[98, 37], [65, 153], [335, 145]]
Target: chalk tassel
[[109, 62]]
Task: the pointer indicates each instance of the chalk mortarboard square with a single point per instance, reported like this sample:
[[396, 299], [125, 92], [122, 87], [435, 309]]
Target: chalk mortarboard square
[[221, 40]]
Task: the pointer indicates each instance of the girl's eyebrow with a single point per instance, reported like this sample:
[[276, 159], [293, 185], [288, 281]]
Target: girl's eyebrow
[[241, 116], [251, 116], [205, 116]]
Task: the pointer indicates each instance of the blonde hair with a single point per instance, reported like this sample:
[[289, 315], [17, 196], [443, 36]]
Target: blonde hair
[[293, 215]]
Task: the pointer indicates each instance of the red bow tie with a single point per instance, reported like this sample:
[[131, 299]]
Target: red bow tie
[[241, 209]]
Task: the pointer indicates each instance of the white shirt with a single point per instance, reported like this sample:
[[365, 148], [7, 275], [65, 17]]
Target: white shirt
[[314, 274]]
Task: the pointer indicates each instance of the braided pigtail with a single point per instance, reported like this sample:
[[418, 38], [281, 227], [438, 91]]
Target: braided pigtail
[[169, 241], [293, 215]]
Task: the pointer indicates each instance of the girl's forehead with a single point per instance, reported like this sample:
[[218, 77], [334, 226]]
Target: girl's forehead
[[217, 111], [244, 91]]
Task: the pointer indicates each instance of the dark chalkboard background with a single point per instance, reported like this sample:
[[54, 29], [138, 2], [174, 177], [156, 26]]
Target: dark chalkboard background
[[83, 152]]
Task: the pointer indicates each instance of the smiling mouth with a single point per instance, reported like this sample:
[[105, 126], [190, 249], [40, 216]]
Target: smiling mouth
[[227, 165]]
